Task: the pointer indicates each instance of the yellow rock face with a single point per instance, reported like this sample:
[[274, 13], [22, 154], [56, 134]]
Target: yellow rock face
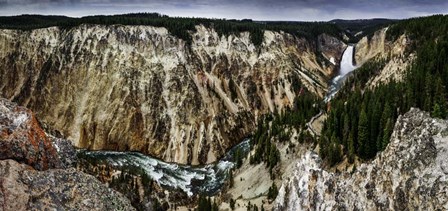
[[395, 52], [139, 88]]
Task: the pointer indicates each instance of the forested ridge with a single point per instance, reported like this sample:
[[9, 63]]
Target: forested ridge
[[177, 26], [361, 120], [357, 29]]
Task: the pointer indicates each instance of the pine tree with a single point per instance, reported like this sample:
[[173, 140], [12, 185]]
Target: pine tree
[[440, 100], [230, 178], [215, 206], [386, 134], [208, 204], [238, 158], [335, 154], [351, 148], [233, 89], [272, 192], [363, 134], [202, 204], [273, 156], [346, 129], [437, 111], [429, 86], [375, 126], [232, 204]]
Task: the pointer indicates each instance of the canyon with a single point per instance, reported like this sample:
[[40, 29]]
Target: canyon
[[138, 88], [158, 121]]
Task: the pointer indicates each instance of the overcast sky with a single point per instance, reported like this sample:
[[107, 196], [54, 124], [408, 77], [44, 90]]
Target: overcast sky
[[294, 10]]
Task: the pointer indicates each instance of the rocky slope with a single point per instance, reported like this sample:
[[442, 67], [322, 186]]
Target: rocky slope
[[24, 145], [411, 174], [331, 48], [396, 53], [21, 138], [138, 88], [24, 188]]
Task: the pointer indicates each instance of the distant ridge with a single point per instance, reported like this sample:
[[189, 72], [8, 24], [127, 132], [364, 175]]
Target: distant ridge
[[359, 28]]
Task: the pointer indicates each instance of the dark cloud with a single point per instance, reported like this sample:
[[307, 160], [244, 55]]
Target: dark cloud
[[255, 9]]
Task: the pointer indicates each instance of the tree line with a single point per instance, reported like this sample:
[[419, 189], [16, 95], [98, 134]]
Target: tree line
[[177, 26]]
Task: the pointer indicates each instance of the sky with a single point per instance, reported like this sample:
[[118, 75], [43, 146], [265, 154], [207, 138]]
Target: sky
[[286, 10]]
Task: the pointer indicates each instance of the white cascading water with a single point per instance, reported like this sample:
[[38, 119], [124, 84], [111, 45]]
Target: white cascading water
[[345, 68], [347, 61], [206, 179]]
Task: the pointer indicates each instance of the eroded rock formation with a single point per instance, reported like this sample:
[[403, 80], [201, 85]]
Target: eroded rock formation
[[24, 188], [25, 150], [397, 56], [331, 48], [22, 139], [410, 174], [139, 88]]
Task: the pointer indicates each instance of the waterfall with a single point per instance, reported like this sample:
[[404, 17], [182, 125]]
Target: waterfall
[[347, 61], [345, 68]]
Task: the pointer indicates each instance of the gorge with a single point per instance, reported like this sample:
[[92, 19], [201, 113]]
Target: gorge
[[138, 88], [186, 113], [190, 179]]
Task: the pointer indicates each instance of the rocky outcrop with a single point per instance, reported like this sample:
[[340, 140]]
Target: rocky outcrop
[[411, 174], [396, 54], [22, 139], [67, 154], [23, 188], [331, 48], [25, 150], [371, 46], [139, 88]]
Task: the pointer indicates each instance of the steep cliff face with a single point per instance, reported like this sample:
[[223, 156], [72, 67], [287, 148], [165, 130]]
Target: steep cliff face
[[21, 138], [396, 54], [139, 88], [369, 47], [411, 174], [331, 48], [25, 151]]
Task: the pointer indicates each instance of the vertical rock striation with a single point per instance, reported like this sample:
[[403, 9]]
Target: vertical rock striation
[[139, 88], [397, 56]]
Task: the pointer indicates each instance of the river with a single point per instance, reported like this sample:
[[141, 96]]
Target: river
[[206, 179]]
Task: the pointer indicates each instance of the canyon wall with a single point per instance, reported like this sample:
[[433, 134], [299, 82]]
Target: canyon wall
[[138, 88], [410, 174], [396, 54]]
